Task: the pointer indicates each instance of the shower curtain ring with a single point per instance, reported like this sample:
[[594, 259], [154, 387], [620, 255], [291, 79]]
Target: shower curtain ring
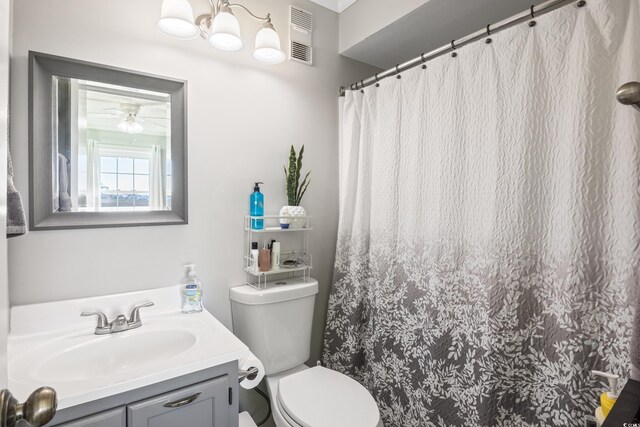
[[453, 44], [532, 23], [488, 40], [424, 60]]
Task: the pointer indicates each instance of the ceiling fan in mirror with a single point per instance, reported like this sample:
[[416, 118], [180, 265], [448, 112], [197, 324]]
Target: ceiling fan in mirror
[[130, 119]]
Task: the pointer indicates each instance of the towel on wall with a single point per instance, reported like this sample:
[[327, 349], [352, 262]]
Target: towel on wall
[[64, 201], [16, 218]]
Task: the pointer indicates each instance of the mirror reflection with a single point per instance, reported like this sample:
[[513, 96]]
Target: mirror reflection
[[112, 148]]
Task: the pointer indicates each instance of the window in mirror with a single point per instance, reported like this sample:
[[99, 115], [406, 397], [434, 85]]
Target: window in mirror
[[113, 148]]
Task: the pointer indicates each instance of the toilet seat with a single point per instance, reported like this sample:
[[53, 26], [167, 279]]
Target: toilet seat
[[290, 421], [321, 397]]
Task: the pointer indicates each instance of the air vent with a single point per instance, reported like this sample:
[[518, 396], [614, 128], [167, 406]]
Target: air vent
[[300, 52], [301, 19], [300, 35]]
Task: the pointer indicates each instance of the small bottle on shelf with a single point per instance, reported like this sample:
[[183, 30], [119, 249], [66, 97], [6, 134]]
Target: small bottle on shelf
[[254, 257], [275, 256], [264, 259]]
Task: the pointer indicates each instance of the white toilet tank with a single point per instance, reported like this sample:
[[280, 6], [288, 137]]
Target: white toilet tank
[[275, 323]]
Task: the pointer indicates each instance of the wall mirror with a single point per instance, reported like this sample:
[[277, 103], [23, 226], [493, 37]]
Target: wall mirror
[[108, 147]]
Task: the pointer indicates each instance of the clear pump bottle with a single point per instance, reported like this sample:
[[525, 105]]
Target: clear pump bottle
[[191, 291]]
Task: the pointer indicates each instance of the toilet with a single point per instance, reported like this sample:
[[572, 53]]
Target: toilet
[[275, 323]]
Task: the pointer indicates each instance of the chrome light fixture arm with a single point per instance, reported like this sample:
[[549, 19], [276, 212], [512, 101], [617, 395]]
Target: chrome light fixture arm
[[254, 16], [214, 8], [223, 5]]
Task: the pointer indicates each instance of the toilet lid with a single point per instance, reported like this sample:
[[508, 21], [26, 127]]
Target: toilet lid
[[320, 397]]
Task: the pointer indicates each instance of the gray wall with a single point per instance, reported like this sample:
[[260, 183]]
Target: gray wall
[[5, 34], [243, 117]]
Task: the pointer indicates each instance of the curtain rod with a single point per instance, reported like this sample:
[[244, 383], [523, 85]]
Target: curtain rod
[[532, 13]]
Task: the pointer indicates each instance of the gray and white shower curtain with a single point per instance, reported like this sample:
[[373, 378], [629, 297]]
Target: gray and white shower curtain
[[489, 236]]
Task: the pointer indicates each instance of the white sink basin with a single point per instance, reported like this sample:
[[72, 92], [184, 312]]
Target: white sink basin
[[110, 355], [50, 344]]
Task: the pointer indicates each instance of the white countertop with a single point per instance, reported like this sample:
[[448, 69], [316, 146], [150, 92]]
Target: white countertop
[[50, 344]]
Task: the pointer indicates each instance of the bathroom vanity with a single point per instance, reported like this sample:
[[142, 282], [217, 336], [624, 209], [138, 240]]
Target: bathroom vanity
[[170, 369], [204, 398]]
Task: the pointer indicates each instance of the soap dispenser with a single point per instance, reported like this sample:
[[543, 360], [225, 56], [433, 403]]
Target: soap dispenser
[[191, 291], [608, 398], [256, 207]]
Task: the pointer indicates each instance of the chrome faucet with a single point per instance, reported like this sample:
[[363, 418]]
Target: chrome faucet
[[120, 323]]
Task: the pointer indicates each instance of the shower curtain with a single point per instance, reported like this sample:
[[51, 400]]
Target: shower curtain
[[489, 234]]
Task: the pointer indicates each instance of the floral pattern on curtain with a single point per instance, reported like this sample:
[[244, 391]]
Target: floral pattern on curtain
[[489, 235]]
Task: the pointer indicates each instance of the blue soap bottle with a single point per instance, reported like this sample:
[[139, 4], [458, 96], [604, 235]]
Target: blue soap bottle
[[256, 207]]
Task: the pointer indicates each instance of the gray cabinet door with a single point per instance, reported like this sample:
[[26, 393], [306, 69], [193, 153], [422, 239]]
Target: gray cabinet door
[[201, 405], [112, 418]]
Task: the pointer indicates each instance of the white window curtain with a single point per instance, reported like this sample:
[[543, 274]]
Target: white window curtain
[[93, 175], [157, 180], [489, 234]]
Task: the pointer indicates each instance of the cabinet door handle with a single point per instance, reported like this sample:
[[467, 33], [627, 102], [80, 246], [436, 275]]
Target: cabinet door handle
[[182, 402]]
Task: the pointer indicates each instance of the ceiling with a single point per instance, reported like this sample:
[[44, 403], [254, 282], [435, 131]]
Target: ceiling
[[430, 26], [108, 105], [335, 5]]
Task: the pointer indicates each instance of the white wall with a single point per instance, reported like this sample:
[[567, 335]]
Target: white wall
[[366, 17], [5, 33], [243, 117]]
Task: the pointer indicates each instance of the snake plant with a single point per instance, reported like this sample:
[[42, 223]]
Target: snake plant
[[295, 188]]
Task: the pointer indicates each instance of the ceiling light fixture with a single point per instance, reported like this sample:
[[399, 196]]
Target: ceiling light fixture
[[220, 28], [129, 122]]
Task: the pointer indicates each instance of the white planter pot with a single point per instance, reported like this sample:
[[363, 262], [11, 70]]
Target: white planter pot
[[294, 216]]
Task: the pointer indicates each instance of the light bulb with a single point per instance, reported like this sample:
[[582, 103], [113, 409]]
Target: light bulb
[[225, 32], [268, 48], [176, 20], [130, 125]]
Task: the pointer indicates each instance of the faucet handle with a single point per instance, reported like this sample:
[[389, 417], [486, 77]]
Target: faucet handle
[[134, 317], [103, 322]]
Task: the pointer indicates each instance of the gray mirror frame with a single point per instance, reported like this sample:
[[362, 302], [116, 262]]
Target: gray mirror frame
[[42, 68]]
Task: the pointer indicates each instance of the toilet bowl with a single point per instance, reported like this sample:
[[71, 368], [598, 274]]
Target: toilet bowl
[[320, 397], [275, 322]]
